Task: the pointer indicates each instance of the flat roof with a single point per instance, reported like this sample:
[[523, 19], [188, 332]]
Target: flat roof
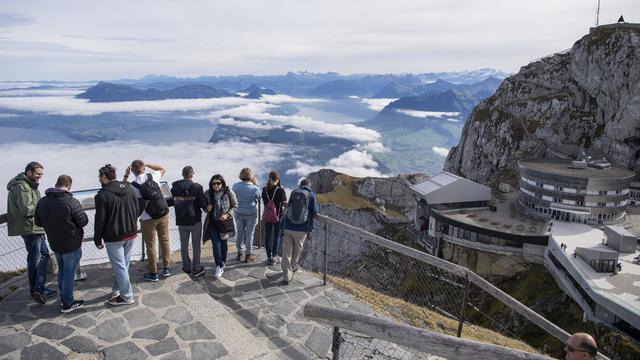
[[565, 167], [623, 286], [508, 217], [436, 182]]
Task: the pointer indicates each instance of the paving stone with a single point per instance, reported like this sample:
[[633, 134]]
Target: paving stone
[[229, 302], [163, 347], [314, 290], [194, 331], [247, 285], [319, 341], [42, 350], [234, 274], [178, 315], [150, 285], [156, 332], [12, 342], [176, 355], [83, 322], [159, 299], [139, 317], [81, 344], [110, 330], [124, 351], [44, 311], [248, 317], [207, 350], [298, 330], [26, 321], [285, 308], [218, 287], [296, 352], [338, 296], [308, 279], [258, 273], [53, 331], [2, 317], [249, 299], [277, 343], [14, 307], [321, 300], [270, 325], [298, 296]]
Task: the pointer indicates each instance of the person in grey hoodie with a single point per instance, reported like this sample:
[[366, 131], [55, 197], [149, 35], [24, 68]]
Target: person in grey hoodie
[[21, 207], [248, 194]]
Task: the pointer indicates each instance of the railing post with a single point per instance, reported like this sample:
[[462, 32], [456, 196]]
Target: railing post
[[335, 345], [463, 311], [326, 240], [260, 235]]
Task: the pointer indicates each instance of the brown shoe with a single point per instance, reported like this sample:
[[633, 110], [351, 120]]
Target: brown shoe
[[249, 258]]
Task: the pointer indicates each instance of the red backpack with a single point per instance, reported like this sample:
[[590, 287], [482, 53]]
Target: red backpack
[[270, 214]]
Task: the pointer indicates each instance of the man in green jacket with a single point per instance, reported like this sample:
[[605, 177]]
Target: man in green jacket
[[21, 207]]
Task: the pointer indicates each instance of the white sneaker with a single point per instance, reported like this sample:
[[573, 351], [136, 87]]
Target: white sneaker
[[114, 294], [276, 259], [219, 272]]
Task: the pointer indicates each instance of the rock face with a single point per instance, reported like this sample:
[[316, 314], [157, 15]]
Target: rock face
[[587, 99]]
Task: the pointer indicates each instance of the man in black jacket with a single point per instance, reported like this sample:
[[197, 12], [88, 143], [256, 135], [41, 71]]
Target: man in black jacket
[[189, 201], [116, 223], [62, 217]]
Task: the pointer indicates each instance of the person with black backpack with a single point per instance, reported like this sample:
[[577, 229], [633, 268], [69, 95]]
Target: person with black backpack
[[188, 203], [273, 198], [298, 224], [154, 216]]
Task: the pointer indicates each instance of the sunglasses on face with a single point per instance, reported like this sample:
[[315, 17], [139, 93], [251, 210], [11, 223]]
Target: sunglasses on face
[[216, 183], [570, 348]]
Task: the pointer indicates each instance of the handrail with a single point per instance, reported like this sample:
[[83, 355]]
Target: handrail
[[461, 271], [419, 339]]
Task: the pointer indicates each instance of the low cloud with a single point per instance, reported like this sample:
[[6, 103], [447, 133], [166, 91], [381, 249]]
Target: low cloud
[[376, 147], [244, 124], [258, 111], [357, 163], [427, 114], [206, 158], [377, 104], [440, 151]]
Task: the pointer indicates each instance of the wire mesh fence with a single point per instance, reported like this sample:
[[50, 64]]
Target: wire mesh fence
[[417, 293]]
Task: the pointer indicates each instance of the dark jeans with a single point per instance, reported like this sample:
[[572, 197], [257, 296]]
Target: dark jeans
[[272, 249], [219, 246], [67, 265], [37, 261]]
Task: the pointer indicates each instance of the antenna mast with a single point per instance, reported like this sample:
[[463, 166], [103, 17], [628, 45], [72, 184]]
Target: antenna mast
[[598, 14]]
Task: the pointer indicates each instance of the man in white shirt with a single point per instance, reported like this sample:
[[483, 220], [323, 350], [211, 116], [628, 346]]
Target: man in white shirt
[[152, 229]]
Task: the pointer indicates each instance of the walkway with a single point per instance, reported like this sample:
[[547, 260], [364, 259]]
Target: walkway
[[246, 315]]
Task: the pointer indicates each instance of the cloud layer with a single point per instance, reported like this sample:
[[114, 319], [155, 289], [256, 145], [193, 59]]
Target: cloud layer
[[427, 114], [440, 151], [357, 163]]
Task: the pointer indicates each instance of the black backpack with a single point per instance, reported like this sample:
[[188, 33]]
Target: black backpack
[[298, 206], [152, 199]]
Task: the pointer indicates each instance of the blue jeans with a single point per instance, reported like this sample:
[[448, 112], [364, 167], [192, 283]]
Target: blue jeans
[[37, 261], [245, 226], [67, 265], [119, 255], [219, 246], [268, 229]]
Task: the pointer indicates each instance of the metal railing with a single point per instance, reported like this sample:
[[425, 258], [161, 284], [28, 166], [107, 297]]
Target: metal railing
[[423, 290]]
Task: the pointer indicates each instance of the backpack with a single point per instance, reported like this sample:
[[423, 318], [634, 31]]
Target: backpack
[[270, 214], [184, 207], [152, 200], [298, 207]]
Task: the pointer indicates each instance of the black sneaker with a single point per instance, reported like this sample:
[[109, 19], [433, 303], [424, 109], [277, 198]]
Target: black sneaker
[[38, 297], [77, 304], [186, 271], [199, 272], [120, 301], [151, 277], [49, 293]]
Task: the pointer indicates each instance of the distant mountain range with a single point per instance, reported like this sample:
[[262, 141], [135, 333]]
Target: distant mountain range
[[109, 92]]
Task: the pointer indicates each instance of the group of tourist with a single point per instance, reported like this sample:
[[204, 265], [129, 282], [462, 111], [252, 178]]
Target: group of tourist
[[229, 213]]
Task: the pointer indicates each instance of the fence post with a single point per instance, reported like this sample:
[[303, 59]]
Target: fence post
[[467, 285], [335, 345], [324, 274]]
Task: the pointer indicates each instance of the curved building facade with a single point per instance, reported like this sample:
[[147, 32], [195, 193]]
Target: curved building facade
[[574, 191]]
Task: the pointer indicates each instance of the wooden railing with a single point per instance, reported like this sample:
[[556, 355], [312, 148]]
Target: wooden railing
[[411, 337]]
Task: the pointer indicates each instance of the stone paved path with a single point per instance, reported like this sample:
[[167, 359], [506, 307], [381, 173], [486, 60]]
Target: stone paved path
[[247, 314]]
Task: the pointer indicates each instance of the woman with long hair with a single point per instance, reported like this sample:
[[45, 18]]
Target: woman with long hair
[[219, 225], [274, 197]]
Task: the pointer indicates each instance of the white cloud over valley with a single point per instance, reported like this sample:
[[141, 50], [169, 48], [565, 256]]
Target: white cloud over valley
[[440, 150], [427, 114], [354, 162]]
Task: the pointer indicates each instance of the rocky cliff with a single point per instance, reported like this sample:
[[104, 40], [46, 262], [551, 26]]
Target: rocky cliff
[[586, 99]]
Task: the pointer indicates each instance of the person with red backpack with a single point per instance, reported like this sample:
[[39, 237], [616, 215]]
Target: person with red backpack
[[273, 198]]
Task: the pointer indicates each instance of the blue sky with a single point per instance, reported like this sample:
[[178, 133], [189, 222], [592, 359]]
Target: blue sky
[[87, 40]]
